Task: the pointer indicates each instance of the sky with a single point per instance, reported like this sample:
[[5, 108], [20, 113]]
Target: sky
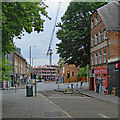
[[41, 40]]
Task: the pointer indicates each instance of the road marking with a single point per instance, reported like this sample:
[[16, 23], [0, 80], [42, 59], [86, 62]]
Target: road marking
[[56, 106], [67, 97], [103, 116], [43, 96]]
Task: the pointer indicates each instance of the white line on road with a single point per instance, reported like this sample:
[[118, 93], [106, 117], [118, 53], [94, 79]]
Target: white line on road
[[103, 116], [56, 106], [66, 97]]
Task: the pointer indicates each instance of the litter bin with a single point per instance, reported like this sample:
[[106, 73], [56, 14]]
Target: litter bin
[[29, 90], [71, 86]]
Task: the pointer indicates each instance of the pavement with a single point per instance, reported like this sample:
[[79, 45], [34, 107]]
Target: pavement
[[105, 97], [41, 107], [85, 91], [17, 105]]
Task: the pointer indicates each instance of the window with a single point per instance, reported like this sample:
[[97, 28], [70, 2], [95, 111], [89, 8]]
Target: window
[[96, 58], [96, 20], [96, 37], [100, 58], [92, 60], [92, 41], [104, 56], [104, 35], [100, 36], [92, 24]]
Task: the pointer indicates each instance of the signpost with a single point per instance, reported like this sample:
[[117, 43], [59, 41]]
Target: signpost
[[68, 76], [35, 74], [73, 76]]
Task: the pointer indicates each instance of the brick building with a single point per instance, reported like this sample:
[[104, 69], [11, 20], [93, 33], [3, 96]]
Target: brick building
[[105, 47], [73, 73]]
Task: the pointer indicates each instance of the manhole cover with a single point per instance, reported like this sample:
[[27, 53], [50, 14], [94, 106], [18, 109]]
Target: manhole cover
[[53, 114]]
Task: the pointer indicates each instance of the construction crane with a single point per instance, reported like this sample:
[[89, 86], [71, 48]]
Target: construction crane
[[49, 52]]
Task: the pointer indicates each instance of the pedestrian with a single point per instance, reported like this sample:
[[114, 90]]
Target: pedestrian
[[81, 84], [97, 87], [15, 87]]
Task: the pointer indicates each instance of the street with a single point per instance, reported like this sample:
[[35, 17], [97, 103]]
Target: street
[[60, 59], [53, 104]]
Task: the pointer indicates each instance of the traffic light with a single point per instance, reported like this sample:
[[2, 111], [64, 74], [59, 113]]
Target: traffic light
[[68, 74], [72, 73], [34, 76], [116, 65], [31, 76]]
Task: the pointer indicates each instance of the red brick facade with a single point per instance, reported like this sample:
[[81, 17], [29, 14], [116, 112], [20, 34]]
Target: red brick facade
[[100, 46], [104, 52], [71, 68]]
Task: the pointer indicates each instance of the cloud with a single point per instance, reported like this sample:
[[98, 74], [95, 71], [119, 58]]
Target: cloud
[[41, 40]]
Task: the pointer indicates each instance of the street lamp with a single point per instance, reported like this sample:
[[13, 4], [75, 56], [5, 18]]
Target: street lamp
[[30, 60], [32, 63]]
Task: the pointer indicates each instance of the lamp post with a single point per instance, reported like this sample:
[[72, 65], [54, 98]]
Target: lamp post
[[30, 60]]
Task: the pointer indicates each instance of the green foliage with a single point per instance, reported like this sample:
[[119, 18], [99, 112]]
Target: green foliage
[[83, 71], [6, 69], [60, 62], [39, 77], [18, 17], [78, 75], [74, 33]]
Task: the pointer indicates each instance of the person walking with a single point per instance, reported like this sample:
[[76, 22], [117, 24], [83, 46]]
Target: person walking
[[97, 87], [81, 84]]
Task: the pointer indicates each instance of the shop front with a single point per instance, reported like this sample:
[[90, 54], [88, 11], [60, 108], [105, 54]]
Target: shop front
[[100, 77]]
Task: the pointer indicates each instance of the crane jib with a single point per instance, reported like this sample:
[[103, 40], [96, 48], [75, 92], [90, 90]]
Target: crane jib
[[49, 49]]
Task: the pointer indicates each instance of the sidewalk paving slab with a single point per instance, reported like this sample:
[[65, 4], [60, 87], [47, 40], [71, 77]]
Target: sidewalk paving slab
[[101, 96], [17, 105]]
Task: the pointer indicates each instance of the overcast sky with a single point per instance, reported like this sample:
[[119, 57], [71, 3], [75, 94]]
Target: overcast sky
[[41, 40]]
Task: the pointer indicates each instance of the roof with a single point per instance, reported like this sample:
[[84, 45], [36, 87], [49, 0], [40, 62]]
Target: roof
[[109, 15], [19, 55]]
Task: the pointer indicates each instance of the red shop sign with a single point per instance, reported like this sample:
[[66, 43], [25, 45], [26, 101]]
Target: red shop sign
[[103, 71], [100, 71]]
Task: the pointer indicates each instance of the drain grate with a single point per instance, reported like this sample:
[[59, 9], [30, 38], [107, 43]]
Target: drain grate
[[53, 114]]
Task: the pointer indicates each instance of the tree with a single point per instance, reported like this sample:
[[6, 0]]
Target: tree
[[39, 77], [74, 33], [18, 17], [60, 63], [6, 69], [83, 71]]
